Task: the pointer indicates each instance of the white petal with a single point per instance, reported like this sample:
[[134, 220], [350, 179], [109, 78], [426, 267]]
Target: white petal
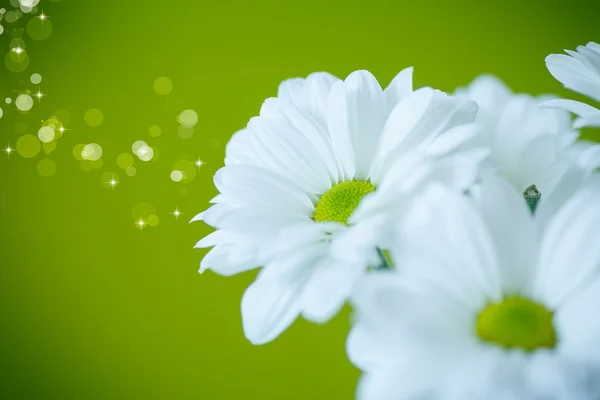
[[316, 135], [490, 94], [452, 139], [509, 221], [215, 214], [317, 87], [573, 75], [578, 328], [254, 223], [239, 149], [292, 90], [576, 107], [272, 302], [283, 150], [569, 253], [451, 248], [356, 119], [215, 238], [197, 217], [591, 122], [228, 260], [330, 285], [400, 87], [255, 186]]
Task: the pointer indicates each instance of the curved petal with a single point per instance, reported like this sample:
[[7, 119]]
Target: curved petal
[[239, 149], [575, 107], [569, 252], [511, 225], [228, 260], [329, 287], [273, 301], [255, 186], [356, 119], [285, 151], [400, 87]]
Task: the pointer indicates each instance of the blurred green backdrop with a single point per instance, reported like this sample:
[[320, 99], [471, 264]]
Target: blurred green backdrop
[[93, 307]]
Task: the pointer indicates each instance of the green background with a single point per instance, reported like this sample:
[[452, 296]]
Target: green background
[[93, 308]]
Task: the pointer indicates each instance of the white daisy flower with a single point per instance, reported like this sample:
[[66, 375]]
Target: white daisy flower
[[296, 174], [530, 144], [579, 72], [484, 306]]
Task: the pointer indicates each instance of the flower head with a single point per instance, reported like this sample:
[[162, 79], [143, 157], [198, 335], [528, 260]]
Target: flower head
[[529, 143], [486, 303], [297, 174]]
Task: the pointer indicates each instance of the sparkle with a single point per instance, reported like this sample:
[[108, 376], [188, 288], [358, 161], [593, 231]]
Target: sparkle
[[176, 213], [18, 50], [113, 182], [39, 95], [199, 163], [8, 150], [140, 224], [62, 129], [43, 16]]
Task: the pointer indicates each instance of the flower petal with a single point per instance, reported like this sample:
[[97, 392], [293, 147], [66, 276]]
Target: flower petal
[[400, 87], [272, 302], [356, 119], [569, 252]]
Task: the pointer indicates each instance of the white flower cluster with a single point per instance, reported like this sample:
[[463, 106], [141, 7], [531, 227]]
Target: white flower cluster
[[463, 228]]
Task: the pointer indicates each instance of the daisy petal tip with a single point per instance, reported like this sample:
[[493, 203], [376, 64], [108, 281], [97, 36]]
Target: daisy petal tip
[[198, 217]]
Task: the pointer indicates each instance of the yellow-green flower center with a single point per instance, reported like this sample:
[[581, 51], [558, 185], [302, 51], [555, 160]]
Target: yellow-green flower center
[[517, 322], [339, 202]]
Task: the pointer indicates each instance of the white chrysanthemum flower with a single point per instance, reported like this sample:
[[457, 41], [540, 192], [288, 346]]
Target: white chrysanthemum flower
[[484, 305], [579, 72], [530, 144], [295, 175]]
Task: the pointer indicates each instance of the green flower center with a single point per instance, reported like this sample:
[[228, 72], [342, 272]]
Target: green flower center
[[517, 322], [339, 202]]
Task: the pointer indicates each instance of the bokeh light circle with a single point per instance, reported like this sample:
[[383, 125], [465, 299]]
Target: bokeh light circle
[[29, 3], [137, 145], [145, 153], [49, 147], [131, 171], [8, 100], [77, 150], [16, 62], [187, 168], [188, 118], [124, 160], [152, 220], [185, 133], [28, 146], [163, 85], [154, 131], [63, 116], [36, 79], [24, 102], [46, 134], [1, 112], [93, 117], [46, 167], [91, 152], [39, 29], [11, 17], [176, 175]]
